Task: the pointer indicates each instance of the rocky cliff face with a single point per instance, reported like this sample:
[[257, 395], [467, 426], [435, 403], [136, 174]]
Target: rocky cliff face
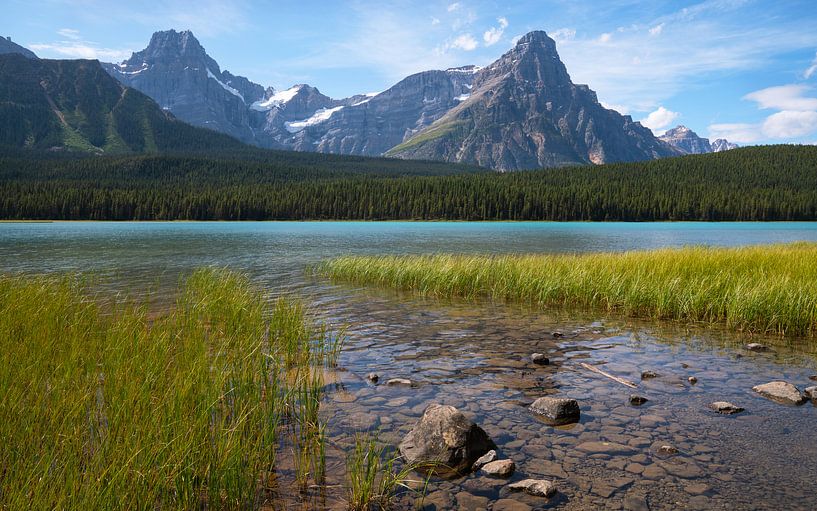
[[688, 142], [525, 112]]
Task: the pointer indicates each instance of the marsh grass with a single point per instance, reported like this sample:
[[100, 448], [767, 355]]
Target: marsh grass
[[763, 289], [375, 476], [108, 405]]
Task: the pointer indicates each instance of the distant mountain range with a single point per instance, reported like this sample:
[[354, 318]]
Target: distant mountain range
[[688, 142], [521, 112]]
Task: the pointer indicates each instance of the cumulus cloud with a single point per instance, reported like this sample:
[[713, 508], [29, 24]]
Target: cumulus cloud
[[788, 124], [563, 35], [660, 119], [435, 21], [808, 73], [605, 37], [656, 30], [464, 42], [494, 34], [453, 7], [784, 97]]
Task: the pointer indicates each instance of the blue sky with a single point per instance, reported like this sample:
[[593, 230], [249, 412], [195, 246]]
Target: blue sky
[[745, 70]]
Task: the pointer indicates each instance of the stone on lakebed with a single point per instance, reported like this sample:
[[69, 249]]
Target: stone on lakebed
[[557, 410], [781, 392]]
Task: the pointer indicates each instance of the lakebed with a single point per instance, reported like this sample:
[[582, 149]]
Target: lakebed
[[476, 356]]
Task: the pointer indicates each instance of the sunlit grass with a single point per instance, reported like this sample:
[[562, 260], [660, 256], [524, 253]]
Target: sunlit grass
[[768, 289], [109, 406]]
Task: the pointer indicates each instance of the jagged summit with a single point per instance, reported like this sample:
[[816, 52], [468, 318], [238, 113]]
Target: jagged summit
[[9, 46]]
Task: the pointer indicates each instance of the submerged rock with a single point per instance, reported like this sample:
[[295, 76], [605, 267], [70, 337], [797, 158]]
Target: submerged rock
[[539, 359], [445, 440], [499, 468], [692, 380], [484, 459], [811, 392], [557, 335], [536, 487], [373, 377], [646, 375], [725, 407], [637, 400], [400, 381], [667, 450], [558, 410], [781, 392], [756, 346]]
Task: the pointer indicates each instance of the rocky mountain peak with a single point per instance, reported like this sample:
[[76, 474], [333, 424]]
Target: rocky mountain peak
[[534, 60], [9, 46], [686, 140], [170, 42]]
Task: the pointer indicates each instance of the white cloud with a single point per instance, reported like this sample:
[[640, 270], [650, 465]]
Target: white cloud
[[788, 124], [656, 30], [784, 97], [494, 34], [808, 73], [605, 37], [618, 108], [435, 21], [69, 33], [563, 35], [464, 42], [660, 119], [453, 7], [75, 47]]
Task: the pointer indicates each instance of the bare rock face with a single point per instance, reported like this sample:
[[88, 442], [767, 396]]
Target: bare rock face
[[557, 410], [781, 392], [686, 141], [445, 440]]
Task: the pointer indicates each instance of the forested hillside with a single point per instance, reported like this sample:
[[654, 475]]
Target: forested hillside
[[755, 183]]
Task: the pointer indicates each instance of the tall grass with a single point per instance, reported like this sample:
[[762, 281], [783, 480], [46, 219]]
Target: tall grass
[[768, 289], [108, 406]]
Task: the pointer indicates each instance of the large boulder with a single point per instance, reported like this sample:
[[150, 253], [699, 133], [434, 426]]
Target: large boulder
[[445, 440], [557, 410], [781, 392]]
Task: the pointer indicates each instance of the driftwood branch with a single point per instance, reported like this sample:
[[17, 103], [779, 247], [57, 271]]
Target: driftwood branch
[[608, 375]]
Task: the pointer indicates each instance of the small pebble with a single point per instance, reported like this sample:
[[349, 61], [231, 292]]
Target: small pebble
[[637, 400], [693, 380], [648, 374], [540, 359], [372, 377]]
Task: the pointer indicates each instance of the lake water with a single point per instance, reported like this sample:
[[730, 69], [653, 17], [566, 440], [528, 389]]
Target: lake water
[[476, 356]]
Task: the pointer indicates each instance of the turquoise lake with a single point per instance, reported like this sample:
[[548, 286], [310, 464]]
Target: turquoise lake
[[476, 356]]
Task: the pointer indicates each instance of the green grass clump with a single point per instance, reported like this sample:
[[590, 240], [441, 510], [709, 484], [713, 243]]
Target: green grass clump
[[110, 406], [768, 289]]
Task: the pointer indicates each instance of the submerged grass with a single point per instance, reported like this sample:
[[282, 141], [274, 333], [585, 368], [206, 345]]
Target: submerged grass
[[108, 406], [764, 289]]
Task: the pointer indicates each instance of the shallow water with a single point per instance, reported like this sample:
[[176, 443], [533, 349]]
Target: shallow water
[[476, 356]]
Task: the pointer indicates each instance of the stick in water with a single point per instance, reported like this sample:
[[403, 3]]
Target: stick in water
[[608, 375]]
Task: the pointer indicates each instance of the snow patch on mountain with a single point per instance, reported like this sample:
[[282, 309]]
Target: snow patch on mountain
[[320, 115], [225, 86], [277, 100]]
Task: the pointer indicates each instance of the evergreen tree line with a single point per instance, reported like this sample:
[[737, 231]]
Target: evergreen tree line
[[756, 183]]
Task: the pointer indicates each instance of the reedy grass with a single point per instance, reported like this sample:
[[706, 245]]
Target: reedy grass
[[763, 289], [103, 405]]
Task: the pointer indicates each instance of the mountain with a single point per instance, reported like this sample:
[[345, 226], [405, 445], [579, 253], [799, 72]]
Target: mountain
[[521, 112], [76, 105], [525, 112], [688, 142], [7, 46], [721, 144]]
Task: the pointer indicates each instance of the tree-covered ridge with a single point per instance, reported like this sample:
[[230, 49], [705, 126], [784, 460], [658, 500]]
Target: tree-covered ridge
[[74, 105], [755, 183]]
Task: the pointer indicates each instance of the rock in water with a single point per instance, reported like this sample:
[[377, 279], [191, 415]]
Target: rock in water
[[539, 359], [500, 468], [756, 346], [557, 410], [725, 407], [692, 380], [646, 375], [536, 487], [637, 400], [781, 392], [372, 377], [484, 459], [445, 440], [400, 381], [811, 392]]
